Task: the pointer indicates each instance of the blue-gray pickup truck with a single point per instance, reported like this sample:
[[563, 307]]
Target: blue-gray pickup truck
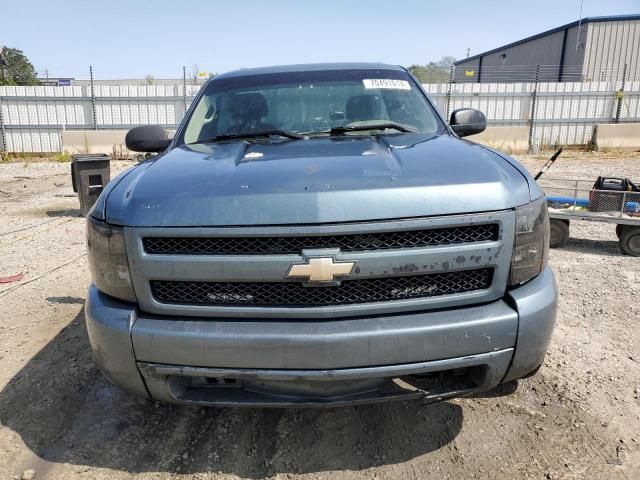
[[318, 235]]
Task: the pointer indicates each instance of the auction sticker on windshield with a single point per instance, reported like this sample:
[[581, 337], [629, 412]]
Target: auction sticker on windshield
[[386, 83]]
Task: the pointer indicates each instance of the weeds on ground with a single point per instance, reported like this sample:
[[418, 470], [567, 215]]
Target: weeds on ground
[[17, 157], [62, 157], [584, 155], [120, 152]]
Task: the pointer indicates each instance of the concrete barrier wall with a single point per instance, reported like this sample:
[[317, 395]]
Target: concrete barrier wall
[[93, 141], [607, 136], [110, 142], [505, 139], [617, 136]]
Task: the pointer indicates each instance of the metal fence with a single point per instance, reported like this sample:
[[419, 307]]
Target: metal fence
[[32, 119], [555, 113], [607, 199], [478, 73], [541, 73]]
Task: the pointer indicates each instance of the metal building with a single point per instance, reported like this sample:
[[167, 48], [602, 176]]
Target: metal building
[[591, 49]]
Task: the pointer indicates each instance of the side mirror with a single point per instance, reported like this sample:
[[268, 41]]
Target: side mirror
[[147, 138], [468, 121]]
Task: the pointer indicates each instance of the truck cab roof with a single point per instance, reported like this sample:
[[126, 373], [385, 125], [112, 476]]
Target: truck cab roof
[[308, 67]]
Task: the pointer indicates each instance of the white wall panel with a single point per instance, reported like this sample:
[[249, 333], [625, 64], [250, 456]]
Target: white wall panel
[[34, 117]]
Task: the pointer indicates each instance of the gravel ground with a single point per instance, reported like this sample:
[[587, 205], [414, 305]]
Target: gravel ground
[[578, 418]]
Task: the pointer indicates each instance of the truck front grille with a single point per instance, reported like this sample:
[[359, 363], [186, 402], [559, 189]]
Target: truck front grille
[[294, 245], [295, 294]]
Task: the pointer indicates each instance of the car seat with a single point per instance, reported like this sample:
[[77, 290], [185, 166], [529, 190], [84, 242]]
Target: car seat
[[362, 107], [247, 111]]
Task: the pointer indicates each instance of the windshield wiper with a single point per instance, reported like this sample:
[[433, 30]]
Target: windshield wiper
[[257, 134], [384, 125]]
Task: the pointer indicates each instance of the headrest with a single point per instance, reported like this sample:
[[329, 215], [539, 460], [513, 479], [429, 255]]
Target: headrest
[[362, 107], [249, 106]]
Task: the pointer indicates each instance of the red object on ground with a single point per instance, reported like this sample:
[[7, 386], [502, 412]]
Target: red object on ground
[[14, 278]]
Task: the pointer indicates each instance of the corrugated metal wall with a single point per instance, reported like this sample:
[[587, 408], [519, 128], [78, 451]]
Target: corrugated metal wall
[[517, 63], [573, 66], [610, 45], [599, 53], [467, 72], [545, 50], [33, 118]]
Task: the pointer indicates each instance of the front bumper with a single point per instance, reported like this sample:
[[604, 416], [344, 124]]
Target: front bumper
[[430, 355]]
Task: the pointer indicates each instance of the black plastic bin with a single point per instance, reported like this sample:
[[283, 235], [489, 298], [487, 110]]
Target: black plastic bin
[[614, 192], [89, 175]]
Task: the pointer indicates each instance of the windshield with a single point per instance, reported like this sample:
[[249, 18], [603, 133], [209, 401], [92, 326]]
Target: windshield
[[311, 103]]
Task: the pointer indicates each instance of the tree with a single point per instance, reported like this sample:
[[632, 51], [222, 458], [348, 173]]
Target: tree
[[433, 72], [17, 69], [194, 74]]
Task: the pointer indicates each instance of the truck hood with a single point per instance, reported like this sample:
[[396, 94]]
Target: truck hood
[[320, 180]]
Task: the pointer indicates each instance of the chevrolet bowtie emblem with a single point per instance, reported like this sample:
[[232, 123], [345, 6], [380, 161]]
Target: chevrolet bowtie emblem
[[321, 270]]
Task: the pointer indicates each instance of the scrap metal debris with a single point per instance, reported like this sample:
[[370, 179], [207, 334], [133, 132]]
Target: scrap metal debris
[[13, 278]]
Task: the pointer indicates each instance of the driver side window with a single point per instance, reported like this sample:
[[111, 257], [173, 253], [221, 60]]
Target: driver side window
[[204, 118]]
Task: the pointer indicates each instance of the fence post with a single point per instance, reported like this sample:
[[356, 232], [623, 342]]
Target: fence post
[[451, 73], [532, 120], [93, 99], [3, 134], [184, 88], [620, 94]]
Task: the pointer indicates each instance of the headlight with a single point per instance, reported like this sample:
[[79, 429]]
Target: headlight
[[531, 244], [108, 260]]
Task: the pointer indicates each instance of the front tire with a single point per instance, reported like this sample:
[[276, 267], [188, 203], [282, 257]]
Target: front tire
[[559, 233]]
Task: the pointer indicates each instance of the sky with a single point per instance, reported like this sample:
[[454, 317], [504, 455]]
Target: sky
[[134, 38]]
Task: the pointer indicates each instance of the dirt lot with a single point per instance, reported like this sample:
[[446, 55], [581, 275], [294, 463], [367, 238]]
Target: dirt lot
[[578, 418]]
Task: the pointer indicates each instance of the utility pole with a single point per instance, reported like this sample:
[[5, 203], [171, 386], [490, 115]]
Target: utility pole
[[93, 99], [184, 88], [3, 63], [532, 120], [579, 25]]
